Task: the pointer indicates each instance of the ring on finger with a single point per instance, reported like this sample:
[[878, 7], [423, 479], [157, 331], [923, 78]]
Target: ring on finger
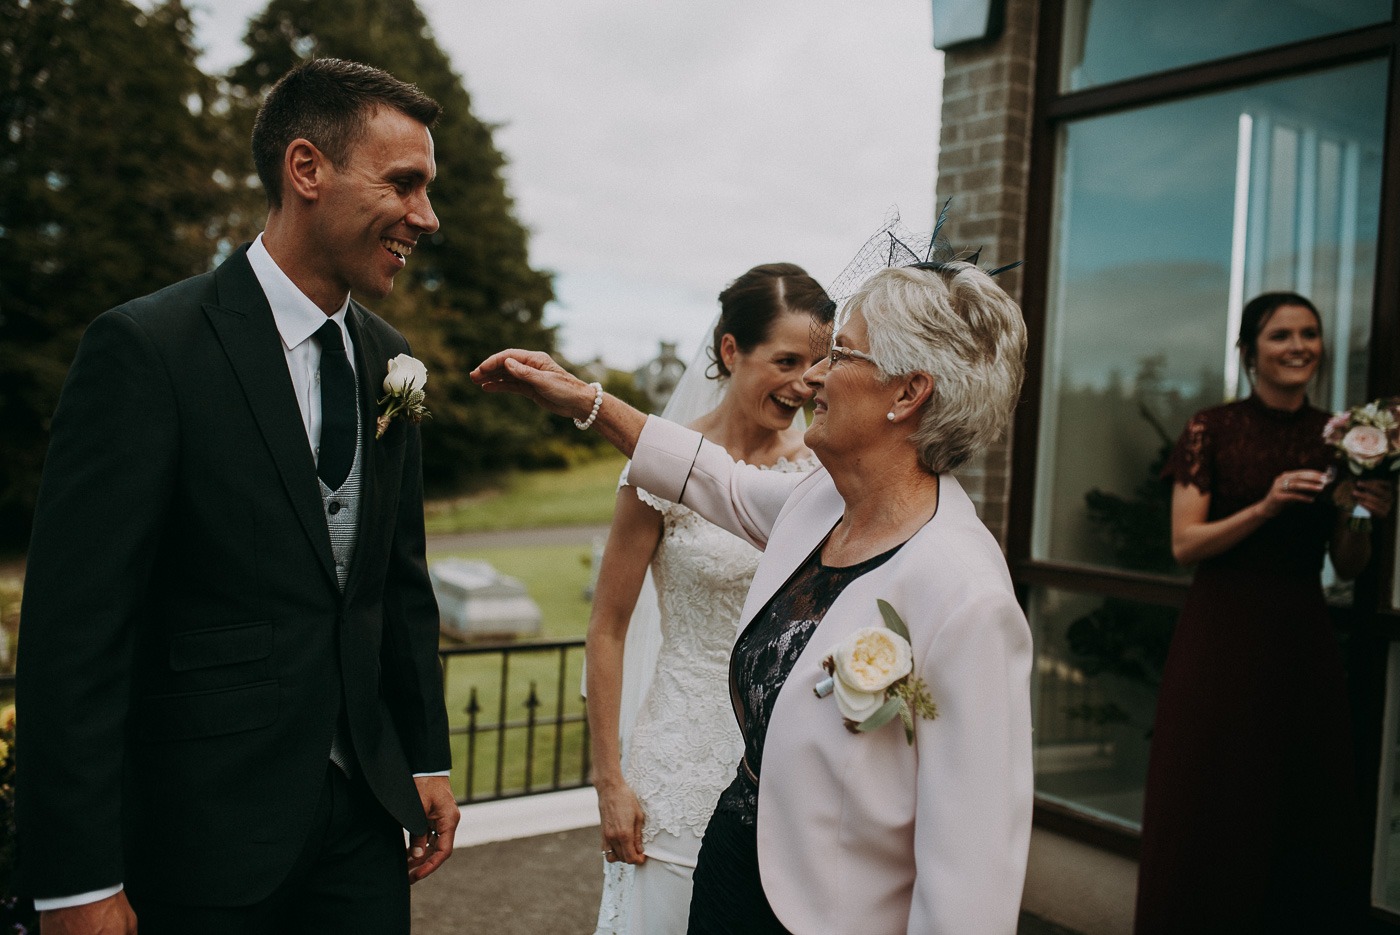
[[1286, 483]]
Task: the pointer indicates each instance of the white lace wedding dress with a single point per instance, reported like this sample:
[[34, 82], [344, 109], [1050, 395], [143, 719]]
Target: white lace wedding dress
[[685, 745]]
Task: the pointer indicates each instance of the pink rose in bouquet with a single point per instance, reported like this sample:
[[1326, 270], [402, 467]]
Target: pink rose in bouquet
[[1368, 439]]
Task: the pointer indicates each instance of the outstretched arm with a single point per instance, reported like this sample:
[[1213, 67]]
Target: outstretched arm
[[535, 375]]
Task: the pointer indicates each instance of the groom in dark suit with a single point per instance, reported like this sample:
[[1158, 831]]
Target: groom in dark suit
[[230, 701]]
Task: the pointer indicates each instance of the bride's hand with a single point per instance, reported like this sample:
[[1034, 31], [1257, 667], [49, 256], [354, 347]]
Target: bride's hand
[[535, 375], [621, 817]]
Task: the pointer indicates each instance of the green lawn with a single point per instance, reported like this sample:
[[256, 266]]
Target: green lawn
[[582, 495], [555, 577]]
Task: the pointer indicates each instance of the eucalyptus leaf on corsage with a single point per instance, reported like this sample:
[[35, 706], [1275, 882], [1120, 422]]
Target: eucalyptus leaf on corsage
[[403, 393], [871, 673]]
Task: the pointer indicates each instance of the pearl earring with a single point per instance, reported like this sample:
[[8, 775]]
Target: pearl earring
[[890, 416]]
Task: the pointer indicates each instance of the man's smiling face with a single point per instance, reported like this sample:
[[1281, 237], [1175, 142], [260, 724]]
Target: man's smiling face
[[374, 206]]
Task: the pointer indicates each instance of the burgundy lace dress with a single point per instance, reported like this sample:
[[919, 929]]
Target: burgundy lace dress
[[1250, 821]]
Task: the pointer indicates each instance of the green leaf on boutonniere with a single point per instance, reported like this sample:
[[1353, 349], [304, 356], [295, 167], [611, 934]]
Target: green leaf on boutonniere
[[892, 618], [881, 717]]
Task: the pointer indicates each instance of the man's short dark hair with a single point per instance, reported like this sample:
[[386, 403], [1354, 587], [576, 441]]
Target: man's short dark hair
[[330, 102]]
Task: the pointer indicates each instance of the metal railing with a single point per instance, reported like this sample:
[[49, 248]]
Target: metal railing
[[516, 718]]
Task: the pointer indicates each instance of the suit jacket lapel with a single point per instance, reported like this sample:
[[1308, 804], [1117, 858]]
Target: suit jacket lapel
[[371, 365], [243, 321]]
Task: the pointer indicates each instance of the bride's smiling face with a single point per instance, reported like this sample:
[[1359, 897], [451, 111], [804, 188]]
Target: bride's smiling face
[[766, 381]]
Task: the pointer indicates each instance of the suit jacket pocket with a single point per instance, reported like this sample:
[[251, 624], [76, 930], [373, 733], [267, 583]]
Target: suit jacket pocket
[[200, 649], [188, 715]]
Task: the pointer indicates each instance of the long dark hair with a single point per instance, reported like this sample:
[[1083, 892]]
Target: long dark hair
[[750, 304]]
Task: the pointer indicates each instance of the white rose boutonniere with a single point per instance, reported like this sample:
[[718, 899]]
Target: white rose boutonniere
[[403, 393], [871, 673]]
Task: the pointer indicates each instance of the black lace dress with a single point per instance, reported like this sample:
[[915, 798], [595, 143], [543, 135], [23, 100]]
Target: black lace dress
[[1250, 822], [727, 898]]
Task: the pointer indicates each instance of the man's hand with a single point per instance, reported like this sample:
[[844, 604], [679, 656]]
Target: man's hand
[[426, 852], [110, 916]]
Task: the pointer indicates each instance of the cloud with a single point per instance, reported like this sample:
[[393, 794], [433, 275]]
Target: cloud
[[657, 151]]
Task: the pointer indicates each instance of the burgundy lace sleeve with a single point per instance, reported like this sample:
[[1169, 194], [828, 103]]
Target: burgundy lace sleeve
[[1192, 458]]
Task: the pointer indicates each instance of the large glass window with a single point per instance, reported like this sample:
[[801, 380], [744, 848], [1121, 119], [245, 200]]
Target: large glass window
[[1167, 219], [1112, 40], [1098, 664]]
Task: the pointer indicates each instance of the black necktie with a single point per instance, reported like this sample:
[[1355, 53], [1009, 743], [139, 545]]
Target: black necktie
[[337, 408]]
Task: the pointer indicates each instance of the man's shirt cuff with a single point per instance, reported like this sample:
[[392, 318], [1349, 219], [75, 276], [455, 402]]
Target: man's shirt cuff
[[82, 899]]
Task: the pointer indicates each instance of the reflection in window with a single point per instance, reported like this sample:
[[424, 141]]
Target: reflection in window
[[1112, 40], [1098, 665], [1165, 215]]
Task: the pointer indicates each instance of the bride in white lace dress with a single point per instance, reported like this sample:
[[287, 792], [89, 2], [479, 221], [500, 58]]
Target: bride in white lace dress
[[665, 741]]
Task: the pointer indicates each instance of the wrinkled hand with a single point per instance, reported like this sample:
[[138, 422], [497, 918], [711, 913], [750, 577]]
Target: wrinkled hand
[[535, 375], [621, 818], [426, 852], [1294, 487], [110, 916], [1375, 495]]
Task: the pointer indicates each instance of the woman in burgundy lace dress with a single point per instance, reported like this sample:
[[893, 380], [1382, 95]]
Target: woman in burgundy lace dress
[[1250, 823]]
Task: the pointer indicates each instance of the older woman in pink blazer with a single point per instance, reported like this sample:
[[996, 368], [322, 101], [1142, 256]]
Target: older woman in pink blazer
[[882, 674]]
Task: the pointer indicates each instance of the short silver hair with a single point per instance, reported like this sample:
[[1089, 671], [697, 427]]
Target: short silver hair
[[958, 326]]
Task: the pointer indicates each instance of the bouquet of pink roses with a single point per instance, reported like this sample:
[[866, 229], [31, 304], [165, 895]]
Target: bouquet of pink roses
[[1368, 439]]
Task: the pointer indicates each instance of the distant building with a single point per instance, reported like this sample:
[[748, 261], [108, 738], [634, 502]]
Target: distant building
[[658, 377], [593, 370]]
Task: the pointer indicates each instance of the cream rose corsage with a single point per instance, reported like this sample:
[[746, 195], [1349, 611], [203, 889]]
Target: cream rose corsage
[[871, 673], [403, 393]]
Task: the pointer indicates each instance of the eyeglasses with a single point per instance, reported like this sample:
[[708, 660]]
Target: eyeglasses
[[840, 354]]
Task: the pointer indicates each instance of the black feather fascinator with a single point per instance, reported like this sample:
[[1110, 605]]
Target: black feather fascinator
[[895, 245]]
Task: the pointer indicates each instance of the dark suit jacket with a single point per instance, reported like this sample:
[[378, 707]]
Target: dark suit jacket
[[185, 649]]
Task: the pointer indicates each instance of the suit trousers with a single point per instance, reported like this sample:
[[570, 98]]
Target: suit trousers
[[350, 879]]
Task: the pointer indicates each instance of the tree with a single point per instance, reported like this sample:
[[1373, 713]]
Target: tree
[[469, 289], [111, 186]]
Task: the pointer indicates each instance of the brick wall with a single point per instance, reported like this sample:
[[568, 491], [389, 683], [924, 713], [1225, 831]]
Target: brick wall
[[983, 165]]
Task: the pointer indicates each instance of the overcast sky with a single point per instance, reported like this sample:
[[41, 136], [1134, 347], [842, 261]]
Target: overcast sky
[[658, 150]]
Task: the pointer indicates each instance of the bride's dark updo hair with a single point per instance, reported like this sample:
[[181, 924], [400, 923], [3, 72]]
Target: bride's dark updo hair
[[750, 304]]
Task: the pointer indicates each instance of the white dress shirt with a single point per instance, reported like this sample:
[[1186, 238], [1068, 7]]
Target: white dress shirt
[[298, 319]]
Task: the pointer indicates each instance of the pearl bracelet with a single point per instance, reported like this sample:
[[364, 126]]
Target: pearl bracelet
[[597, 403]]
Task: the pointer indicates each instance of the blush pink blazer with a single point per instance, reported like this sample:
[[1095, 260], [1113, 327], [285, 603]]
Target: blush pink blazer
[[862, 834]]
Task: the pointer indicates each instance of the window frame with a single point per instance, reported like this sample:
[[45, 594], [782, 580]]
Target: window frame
[[1374, 622]]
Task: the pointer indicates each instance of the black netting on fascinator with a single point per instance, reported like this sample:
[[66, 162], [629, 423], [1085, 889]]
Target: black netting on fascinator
[[893, 245]]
